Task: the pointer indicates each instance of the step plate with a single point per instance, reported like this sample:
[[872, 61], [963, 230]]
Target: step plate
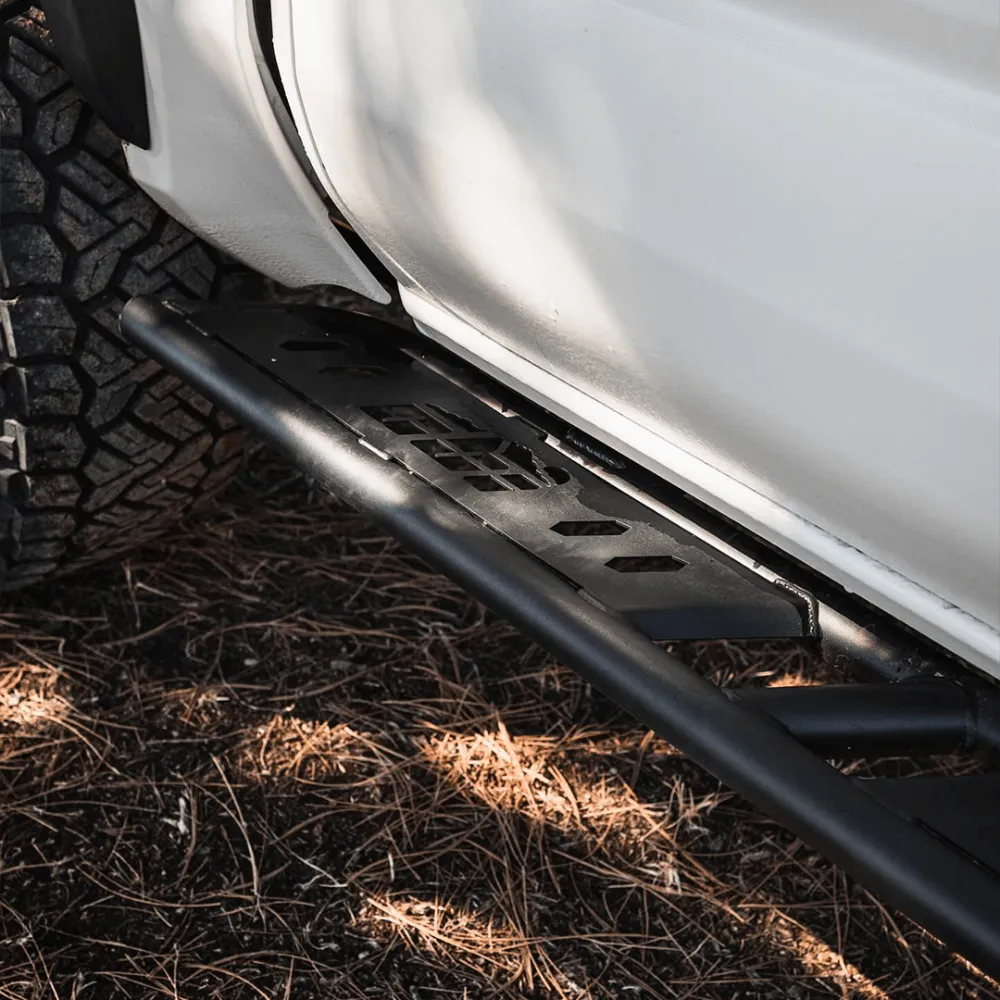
[[620, 553]]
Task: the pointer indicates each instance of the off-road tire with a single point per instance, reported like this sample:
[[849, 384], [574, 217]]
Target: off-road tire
[[100, 449]]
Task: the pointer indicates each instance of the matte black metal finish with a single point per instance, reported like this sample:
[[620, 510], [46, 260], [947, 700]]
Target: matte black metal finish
[[963, 810], [870, 720], [912, 870], [627, 557], [852, 646], [858, 649], [98, 43]]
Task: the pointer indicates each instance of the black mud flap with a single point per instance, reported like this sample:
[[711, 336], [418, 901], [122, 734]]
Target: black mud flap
[[594, 575], [98, 43]]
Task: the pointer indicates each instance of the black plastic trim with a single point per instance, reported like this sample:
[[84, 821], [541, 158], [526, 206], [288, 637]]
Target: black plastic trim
[[99, 45], [909, 867]]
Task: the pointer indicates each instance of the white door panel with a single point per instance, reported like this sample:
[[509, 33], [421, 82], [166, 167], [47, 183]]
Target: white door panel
[[768, 232]]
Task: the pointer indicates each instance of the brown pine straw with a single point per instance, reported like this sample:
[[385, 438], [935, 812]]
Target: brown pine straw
[[274, 756]]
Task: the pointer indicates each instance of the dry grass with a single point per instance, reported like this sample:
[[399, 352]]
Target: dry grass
[[276, 757]]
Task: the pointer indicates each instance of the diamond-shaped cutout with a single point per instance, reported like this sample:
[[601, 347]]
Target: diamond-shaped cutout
[[577, 529], [645, 564]]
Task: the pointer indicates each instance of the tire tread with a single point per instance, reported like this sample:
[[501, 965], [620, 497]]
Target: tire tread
[[99, 448]]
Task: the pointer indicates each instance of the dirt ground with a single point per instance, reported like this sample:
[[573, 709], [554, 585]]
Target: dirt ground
[[274, 756]]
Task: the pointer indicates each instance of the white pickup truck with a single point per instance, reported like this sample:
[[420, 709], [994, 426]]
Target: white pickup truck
[[696, 334]]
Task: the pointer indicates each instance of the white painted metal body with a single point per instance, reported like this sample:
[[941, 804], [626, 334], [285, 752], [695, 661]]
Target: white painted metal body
[[219, 162], [754, 244]]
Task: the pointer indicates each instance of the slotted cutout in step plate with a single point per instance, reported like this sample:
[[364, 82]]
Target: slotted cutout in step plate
[[622, 554]]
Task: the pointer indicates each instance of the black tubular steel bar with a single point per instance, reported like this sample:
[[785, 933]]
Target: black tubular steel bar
[[910, 869], [870, 720]]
